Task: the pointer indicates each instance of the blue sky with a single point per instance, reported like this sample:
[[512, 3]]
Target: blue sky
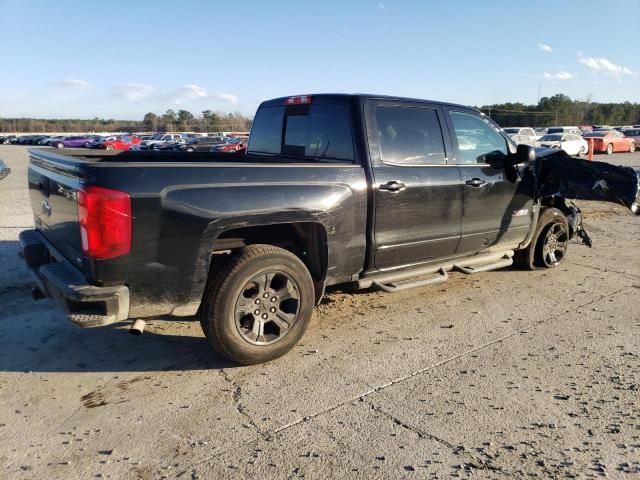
[[121, 59]]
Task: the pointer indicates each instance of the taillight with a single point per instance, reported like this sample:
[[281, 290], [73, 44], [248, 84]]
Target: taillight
[[299, 100], [105, 222]]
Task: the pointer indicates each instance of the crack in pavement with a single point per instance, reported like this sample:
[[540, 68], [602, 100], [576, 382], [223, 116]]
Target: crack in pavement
[[456, 450], [237, 396], [267, 435], [627, 275]]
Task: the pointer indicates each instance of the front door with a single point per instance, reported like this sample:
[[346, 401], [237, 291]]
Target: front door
[[417, 194], [496, 207]]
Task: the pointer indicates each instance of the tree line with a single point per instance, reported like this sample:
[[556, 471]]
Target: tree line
[[181, 120], [562, 110], [556, 110]]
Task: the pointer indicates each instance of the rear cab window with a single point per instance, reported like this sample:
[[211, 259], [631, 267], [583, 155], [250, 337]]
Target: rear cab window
[[319, 131]]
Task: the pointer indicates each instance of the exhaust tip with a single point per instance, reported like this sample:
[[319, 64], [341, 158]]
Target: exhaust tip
[[138, 327]]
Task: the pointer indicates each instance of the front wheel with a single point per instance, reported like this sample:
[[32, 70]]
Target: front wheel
[[632, 148], [258, 304], [549, 243], [109, 147], [609, 149], [59, 145], [582, 151]]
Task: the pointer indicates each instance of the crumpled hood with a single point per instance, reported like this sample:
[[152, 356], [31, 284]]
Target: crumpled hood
[[556, 173]]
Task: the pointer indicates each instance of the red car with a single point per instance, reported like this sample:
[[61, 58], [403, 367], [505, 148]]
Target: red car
[[122, 142], [609, 141], [235, 145]]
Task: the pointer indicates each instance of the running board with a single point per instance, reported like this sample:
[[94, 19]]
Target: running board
[[399, 285], [396, 281], [505, 261]]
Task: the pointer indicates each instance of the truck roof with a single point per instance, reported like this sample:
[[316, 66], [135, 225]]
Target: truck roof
[[346, 97]]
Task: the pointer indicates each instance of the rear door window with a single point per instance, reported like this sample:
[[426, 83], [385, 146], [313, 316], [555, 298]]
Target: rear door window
[[410, 135]]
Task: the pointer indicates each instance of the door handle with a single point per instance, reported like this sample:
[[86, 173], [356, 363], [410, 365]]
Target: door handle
[[475, 182], [393, 186]]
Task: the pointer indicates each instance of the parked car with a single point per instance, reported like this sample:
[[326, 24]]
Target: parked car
[[527, 132], [158, 140], [120, 142], [99, 139], [4, 169], [6, 140], [523, 139], [570, 143], [610, 141], [234, 145], [200, 144], [74, 142], [600, 128], [571, 130], [632, 133], [249, 242]]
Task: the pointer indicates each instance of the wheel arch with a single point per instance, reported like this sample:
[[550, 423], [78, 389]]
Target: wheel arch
[[306, 239]]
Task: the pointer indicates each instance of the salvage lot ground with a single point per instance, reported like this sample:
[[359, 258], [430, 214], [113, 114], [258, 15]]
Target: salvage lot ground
[[506, 374]]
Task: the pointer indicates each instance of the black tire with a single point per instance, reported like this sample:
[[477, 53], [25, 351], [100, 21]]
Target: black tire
[[227, 313], [552, 222], [609, 149]]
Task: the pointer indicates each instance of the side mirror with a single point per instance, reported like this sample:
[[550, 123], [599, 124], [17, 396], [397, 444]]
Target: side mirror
[[525, 154]]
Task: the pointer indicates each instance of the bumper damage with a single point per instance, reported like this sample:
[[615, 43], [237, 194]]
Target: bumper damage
[[86, 305]]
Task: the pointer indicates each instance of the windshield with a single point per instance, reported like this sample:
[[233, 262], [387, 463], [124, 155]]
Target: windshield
[[551, 138], [157, 137], [595, 134], [512, 130], [237, 140]]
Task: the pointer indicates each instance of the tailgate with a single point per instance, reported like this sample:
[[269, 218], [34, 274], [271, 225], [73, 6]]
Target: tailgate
[[53, 186]]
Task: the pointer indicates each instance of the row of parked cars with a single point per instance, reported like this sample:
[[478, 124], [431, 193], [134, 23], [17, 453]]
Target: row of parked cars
[[234, 142], [577, 140]]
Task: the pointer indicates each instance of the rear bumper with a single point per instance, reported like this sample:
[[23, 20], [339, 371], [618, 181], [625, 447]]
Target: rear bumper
[[86, 305]]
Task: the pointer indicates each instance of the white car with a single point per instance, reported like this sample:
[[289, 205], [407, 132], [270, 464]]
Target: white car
[[522, 132], [570, 143]]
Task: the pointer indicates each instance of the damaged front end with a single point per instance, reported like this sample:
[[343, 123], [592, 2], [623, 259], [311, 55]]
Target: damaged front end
[[558, 177]]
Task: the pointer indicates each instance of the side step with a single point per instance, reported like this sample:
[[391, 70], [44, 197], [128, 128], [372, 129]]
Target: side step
[[399, 285], [434, 274], [505, 261]]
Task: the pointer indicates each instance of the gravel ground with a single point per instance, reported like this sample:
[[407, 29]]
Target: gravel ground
[[505, 374]]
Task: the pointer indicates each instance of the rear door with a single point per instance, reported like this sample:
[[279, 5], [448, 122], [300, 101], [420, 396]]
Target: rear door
[[496, 209], [417, 193]]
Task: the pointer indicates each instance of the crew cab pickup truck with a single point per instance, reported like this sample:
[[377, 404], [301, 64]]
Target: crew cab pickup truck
[[373, 191]]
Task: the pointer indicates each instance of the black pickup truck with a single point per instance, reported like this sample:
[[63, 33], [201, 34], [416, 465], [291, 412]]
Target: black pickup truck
[[373, 191]]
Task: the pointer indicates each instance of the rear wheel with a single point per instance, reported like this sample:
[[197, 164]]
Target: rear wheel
[[632, 148], [60, 145], [109, 147], [258, 304], [86, 144], [549, 244], [582, 151], [609, 149]]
